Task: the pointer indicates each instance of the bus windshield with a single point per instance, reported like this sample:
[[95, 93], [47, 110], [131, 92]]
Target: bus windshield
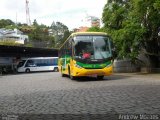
[[20, 64], [92, 47]]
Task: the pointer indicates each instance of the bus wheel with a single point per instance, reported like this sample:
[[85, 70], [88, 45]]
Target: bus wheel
[[27, 70], [63, 75], [72, 77], [100, 77]]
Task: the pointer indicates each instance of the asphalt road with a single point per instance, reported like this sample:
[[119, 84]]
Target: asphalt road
[[47, 93]]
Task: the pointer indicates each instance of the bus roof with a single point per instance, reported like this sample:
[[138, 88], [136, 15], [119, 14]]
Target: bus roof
[[83, 33], [88, 33]]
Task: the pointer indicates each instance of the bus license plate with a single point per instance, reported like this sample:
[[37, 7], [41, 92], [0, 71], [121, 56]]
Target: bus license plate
[[93, 75]]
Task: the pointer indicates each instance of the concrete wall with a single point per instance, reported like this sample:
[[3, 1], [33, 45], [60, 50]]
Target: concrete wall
[[125, 66]]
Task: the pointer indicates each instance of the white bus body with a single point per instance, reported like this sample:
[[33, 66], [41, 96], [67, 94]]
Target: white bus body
[[38, 64]]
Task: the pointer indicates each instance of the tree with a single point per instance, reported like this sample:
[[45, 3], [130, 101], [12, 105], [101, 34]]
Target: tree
[[147, 13], [6, 22], [134, 26], [35, 23], [39, 36], [95, 29], [60, 32]]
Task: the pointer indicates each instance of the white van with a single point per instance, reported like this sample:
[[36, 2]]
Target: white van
[[38, 64]]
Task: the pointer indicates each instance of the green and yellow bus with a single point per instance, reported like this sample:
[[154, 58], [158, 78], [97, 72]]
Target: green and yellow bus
[[86, 54]]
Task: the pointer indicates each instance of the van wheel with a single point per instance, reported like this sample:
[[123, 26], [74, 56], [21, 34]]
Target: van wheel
[[27, 70]]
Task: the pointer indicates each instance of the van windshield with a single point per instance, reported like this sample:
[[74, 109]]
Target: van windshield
[[20, 64]]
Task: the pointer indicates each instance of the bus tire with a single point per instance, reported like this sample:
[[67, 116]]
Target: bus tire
[[63, 75], [27, 70], [72, 77], [100, 77]]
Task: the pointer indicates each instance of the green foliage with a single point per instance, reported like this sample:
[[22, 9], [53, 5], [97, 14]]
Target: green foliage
[[157, 5], [7, 22], [28, 45], [35, 23], [95, 29], [11, 27], [133, 26], [38, 34], [60, 32]]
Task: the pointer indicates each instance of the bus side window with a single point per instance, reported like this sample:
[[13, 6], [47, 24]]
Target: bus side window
[[72, 47]]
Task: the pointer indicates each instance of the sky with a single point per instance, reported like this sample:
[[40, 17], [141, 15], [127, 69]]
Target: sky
[[71, 13]]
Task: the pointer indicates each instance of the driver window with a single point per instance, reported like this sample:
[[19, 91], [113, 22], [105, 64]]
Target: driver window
[[30, 63]]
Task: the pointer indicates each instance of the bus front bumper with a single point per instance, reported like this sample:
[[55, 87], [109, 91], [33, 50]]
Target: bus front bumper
[[92, 72]]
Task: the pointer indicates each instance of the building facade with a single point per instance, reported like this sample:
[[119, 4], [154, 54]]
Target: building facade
[[13, 35]]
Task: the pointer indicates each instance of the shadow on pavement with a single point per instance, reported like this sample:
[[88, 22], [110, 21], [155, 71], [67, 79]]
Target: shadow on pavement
[[106, 78]]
